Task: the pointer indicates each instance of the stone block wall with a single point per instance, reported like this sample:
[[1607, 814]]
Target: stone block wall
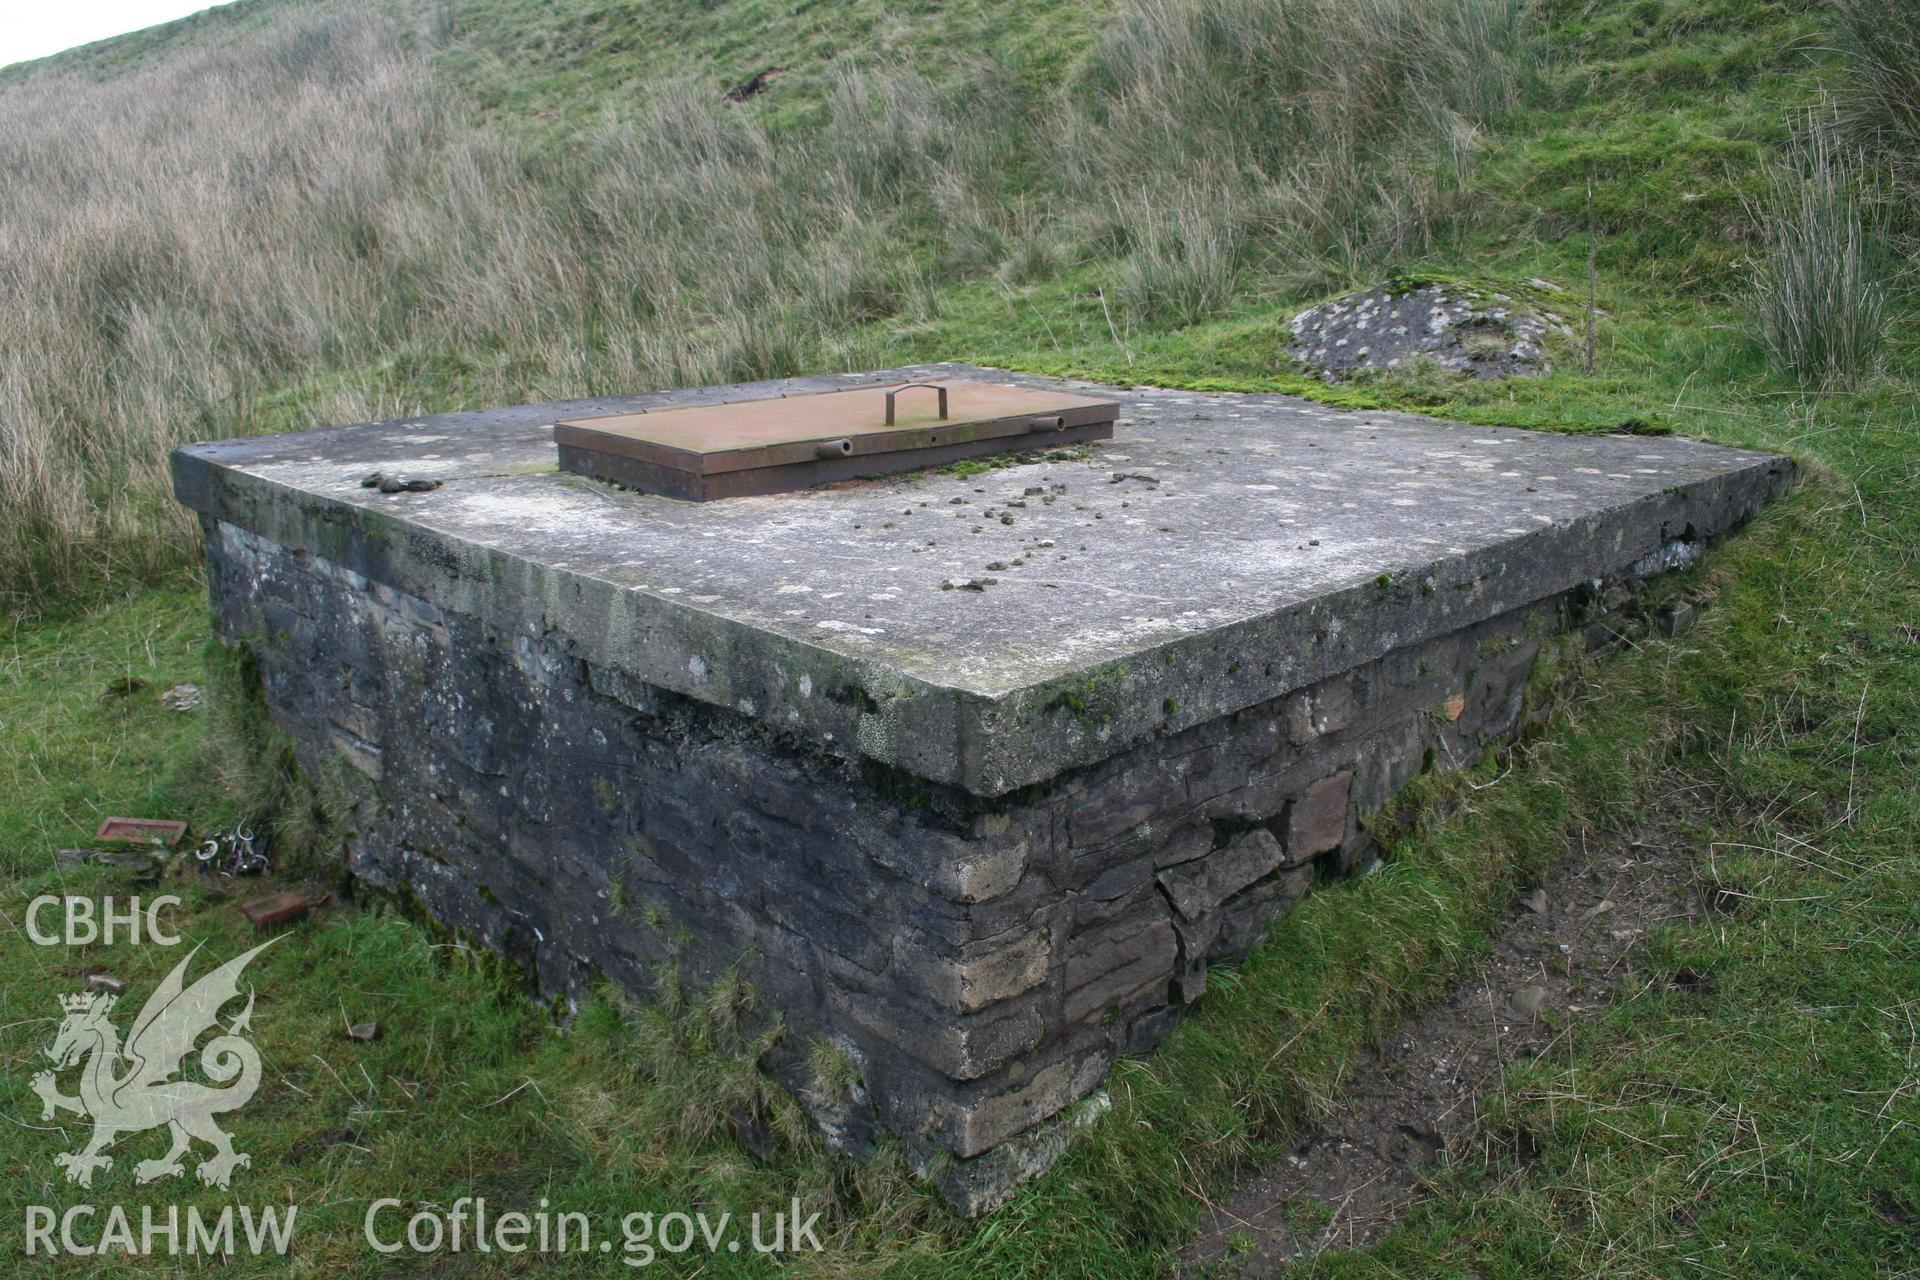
[[980, 963]]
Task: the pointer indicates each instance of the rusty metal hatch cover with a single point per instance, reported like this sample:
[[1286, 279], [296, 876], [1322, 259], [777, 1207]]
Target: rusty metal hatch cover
[[792, 442]]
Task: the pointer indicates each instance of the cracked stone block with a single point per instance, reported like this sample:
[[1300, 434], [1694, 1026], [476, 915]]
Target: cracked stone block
[[1199, 887]]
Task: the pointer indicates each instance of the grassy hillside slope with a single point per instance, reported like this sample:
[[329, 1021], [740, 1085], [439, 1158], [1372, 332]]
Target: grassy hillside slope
[[1131, 197]]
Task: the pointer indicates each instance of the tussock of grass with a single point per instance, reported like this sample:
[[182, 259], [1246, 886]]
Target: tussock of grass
[[1825, 275], [1881, 42], [1186, 251]]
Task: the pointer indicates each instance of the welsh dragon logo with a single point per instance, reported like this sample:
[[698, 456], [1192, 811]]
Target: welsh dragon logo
[[131, 1088]]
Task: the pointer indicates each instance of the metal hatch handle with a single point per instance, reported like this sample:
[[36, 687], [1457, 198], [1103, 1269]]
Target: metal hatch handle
[[930, 386]]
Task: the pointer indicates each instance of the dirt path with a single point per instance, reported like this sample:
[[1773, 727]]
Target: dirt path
[[1567, 947]]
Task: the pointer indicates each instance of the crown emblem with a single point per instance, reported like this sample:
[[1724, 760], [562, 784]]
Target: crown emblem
[[78, 1004]]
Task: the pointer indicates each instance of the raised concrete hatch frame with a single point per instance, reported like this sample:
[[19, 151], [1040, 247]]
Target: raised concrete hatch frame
[[973, 775]]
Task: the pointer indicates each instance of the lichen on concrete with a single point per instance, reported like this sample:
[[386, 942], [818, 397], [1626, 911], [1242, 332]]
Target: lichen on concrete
[[1257, 524], [1477, 331]]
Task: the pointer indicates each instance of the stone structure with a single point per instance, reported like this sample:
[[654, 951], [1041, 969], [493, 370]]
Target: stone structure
[[979, 842], [1480, 332]]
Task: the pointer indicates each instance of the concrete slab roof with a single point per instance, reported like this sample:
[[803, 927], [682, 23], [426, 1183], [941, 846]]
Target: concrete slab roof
[[991, 630]]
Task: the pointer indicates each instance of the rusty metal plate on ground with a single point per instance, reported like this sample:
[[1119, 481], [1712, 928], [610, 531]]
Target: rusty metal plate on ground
[[793, 442], [158, 831]]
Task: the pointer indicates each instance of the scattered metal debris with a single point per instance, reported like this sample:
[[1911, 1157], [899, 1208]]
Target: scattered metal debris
[[364, 1031], [107, 983], [238, 852]]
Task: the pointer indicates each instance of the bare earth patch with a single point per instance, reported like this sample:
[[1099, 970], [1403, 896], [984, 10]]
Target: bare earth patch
[[1565, 949]]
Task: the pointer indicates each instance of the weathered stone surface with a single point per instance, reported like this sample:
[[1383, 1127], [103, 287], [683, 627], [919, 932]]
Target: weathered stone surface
[[1233, 927], [1245, 917], [1318, 821], [1481, 332], [1109, 972], [1187, 842], [1283, 543], [960, 1046], [978, 854], [1199, 887], [967, 984], [971, 1127], [975, 1186], [1326, 708]]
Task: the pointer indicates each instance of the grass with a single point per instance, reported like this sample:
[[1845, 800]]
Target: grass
[[1882, 47], [560, 70], [1765, 1124], [1823, 282], [74, 740]]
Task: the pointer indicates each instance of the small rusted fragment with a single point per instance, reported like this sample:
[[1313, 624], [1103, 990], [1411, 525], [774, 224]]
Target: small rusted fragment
[[281, 908]]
